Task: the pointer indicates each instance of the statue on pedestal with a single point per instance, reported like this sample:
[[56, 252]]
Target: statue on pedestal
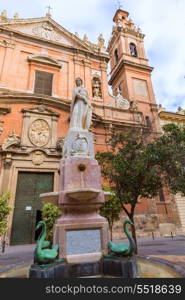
[[96, 87], [81, 110]]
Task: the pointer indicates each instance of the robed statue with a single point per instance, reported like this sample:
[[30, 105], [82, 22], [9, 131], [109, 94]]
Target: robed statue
[[81, 110]]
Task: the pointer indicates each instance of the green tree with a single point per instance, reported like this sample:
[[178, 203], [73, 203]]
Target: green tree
[[50, 213], [168, 151], [4, 211], [111, 209], [137, 167]]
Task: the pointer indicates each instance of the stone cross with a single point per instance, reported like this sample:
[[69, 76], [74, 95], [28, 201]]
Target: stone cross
[[49, 10]]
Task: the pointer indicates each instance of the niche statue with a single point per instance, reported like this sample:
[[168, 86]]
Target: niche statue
[[81, 110]]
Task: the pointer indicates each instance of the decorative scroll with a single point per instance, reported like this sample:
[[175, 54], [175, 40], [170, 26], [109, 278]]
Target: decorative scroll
[[122, 102], [12, 140]]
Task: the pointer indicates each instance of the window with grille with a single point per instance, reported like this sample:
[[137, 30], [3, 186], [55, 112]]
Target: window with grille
[[43, 83]]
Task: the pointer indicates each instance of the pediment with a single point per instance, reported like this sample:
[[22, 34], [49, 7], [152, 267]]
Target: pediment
[[41, 110], [47, 29], [45, 59], [96, 117]]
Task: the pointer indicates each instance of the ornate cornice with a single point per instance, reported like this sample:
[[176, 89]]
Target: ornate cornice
[[7, 43], [13, 97], [62, 104], [125, 31], [165, 115], [81, 61], [131, 64]]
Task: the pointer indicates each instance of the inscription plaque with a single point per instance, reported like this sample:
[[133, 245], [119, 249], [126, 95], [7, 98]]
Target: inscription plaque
[[83, 242]]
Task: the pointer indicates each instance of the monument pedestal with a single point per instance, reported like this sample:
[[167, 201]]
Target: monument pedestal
[[78, 143], [81, 233], [81, 241]]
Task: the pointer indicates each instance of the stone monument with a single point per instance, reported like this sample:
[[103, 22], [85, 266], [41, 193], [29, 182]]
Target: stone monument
[[81, 233]]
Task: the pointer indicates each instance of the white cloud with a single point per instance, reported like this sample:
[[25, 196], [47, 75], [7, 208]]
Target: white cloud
[[162, 21]]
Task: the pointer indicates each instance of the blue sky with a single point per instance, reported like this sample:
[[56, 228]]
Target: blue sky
[[163, 22]]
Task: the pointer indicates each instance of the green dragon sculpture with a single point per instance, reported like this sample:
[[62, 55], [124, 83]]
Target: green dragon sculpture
[[123, 249], [42, 255]]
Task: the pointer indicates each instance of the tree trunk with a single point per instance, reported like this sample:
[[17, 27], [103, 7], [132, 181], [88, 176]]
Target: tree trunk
[[111, 233], [131, 217], [133, 232], [111, 228]]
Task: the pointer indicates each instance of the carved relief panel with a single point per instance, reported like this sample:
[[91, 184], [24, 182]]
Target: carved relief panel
[[39, 128], [46, 31], [39, 133], [37, 157]]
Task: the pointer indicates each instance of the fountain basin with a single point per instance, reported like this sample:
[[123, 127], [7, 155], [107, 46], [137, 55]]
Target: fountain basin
[[83, 194], [50, 197], [147, 268], [107, 266]]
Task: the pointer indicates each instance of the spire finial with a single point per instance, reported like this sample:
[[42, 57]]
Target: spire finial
[[101, 41], [119, 4], [4, 15], [48, 14]]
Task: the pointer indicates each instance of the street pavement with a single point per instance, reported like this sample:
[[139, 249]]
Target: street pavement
[[170, 249], [162, 246]]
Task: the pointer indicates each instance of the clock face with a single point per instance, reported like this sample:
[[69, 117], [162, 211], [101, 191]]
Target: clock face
[[39, 133]]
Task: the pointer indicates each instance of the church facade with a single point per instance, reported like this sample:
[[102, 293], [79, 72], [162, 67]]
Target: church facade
[[39, 62]]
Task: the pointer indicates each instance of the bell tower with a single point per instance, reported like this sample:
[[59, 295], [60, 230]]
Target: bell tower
[[130, 69]]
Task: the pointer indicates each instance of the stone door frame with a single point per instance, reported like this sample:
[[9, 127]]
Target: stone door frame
[[9, 177]]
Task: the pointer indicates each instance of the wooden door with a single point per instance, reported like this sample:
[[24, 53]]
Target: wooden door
[[28, 205]]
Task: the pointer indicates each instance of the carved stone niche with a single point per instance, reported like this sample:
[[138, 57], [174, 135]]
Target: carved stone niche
[[96, 87], [39, 128]]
